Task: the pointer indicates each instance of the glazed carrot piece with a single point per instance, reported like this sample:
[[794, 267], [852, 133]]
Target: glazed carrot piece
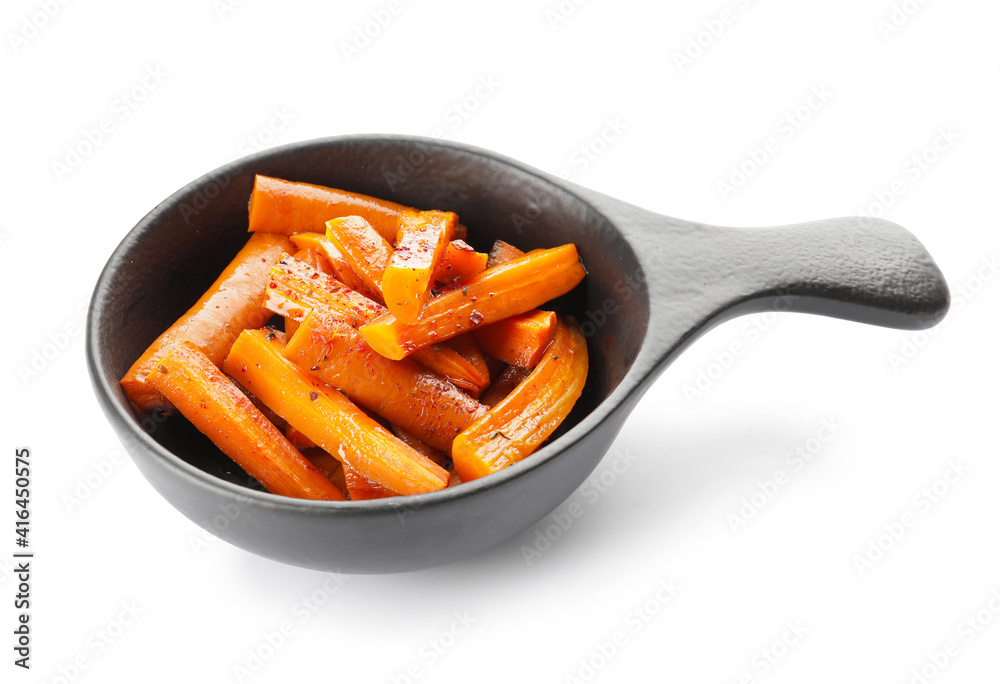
[[460, 262], [469, 350], [235, 301], [328, 418], [410, 440], [295, 289], [519, 340], [501, 253], [286, 207], [400, 391], [342, 269], [367, 251], [453, 479], [316, 261], [516, 426], [206, 397], [496, 293], [329, 466], [507, 380], [360, 488], [421, 242], [298, 440]]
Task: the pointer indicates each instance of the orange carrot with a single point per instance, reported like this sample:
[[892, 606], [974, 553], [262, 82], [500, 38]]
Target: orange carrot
[[496, 293], [516, 426], [329, 419], [362, 246], [329, 466], [421, 242], [342, 269], [400, 391], [410, 440], [460, 262], [505, 383], [360, 488], [206, 397], [519, 340], [453, 480], [235, 301], [501, 253], [296, 289], [467, 347], [298, 440], [316, 261]]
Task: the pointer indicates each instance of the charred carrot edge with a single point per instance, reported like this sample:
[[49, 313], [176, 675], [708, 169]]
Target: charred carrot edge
[[342, 269], [516, 426], [460, 262], [496, 293], [501, 253], [400, 391], [235, 301], [410, 440], [366, 251], [286, 207], [506, 381], [206, 397], [330, 467], [360, 488], [469, 350], [421, 241], [296, 288], [519, 340], [329, 419]]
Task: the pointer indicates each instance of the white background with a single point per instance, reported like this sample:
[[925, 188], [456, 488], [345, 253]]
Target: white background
[[203, 608]]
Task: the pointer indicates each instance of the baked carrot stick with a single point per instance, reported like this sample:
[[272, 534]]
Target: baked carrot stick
[[328, 418], [342, 269], [496, 293], [400, 391], [235, 301], [298, 440], [469, 350], [519, 340], [316, 261], [367, 252], [410, 440], [460, 262], [360, 488], [528, 415], [296, 288], [206, 397], [501, 253], [506, 381], [329, 466], [285, 207], [421, 242]]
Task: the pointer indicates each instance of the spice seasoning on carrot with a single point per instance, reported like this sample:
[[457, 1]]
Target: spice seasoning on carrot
[[421, 242]]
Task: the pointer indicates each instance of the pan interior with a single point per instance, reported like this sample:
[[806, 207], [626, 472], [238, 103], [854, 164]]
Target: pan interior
[[177, 251]]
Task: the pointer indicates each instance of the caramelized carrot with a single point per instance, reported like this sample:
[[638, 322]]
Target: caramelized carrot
[[316, 261], [467, 347], [329, 466], [501, 253], [206, 397], [296, 289], [528, 415], [508, 379], [400, 391], [235, 301], [342, 269], [421, 242], [280, 206], [298, 440], [496, 293], [460, 262], [360, 488], [362, 246], [519, 340], [329, 419], [410, 440], [453, 479]]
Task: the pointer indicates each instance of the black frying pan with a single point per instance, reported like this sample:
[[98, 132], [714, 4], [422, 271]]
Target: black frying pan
[[654, 285]]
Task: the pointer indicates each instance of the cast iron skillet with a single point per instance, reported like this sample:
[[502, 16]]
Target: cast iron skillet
[[654, 285]]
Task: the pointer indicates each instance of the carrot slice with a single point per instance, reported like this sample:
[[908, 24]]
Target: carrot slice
[[516, 426], [315, 259], [329, 419], [501, 253], [460, 262], [360, 488], [329, 466], [206, 397], [362, 246], [410, 440], [496, 293], [296, 289], [508, 379], [342, 269], [421, 242], [235, 301], [519, 340], [400, 391], [467, 347]]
